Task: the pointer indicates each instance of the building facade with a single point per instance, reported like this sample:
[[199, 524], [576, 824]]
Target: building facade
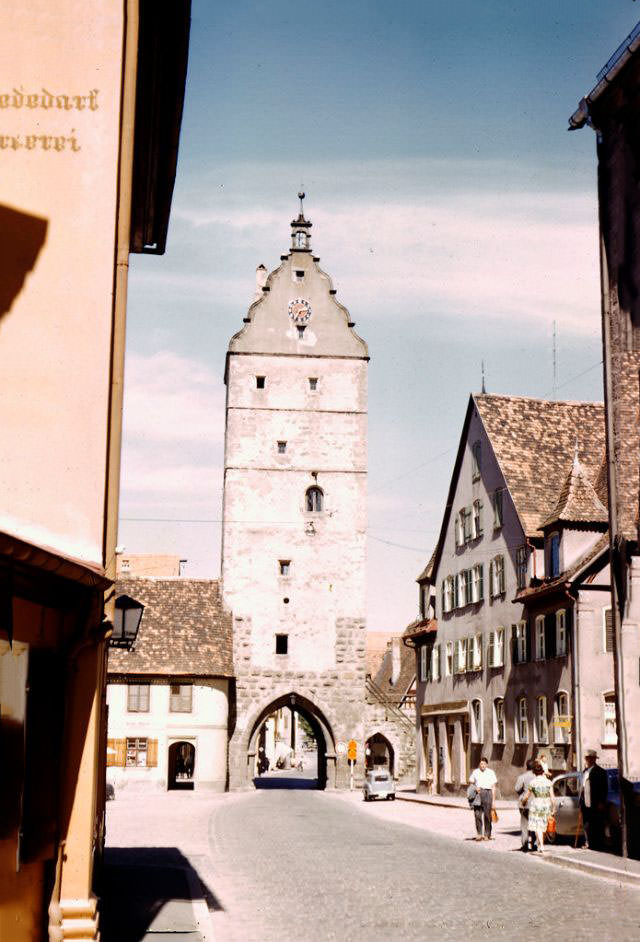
[[84, 183], [294, 511], [495, 675], [611, 109], [169, 697]]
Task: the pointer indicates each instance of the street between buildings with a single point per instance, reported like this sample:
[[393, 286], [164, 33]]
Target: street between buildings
[[292, 865]]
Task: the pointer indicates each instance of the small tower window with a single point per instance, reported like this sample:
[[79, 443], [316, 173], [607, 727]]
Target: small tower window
[[282, 644], [260, 380], [301, 329], [299, 275], [313, 383], [315, 499], [301, 240], [285, 567], [282, 448]]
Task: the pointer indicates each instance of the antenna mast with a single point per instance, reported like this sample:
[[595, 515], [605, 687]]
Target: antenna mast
[[555, 362]]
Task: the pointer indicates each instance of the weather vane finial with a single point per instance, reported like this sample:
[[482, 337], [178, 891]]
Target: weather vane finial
[[301, 196]]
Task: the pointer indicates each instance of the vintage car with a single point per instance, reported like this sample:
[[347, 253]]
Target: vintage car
[[566, 790], [379, 783]]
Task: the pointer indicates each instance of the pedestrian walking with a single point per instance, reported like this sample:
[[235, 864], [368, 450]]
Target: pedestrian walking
[[485, 782], [527, 841], [593, 800], [540, 803]]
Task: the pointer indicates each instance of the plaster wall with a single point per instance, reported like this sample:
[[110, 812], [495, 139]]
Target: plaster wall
[[58, 201], [206, 727], [265, 519]]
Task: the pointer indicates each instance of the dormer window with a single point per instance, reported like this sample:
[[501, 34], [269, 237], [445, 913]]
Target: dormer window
[[553, 555]]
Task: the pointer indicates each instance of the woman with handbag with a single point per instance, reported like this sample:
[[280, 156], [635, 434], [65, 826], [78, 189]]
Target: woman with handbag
[[540, 802]]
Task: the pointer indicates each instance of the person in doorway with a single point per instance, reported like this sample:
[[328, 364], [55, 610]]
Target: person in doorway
[[522, 788], [485, 782], [593, 800], [540, 804]]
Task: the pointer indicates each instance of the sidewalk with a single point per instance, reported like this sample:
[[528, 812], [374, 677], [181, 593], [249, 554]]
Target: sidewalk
[[507, 831], [449, 801]]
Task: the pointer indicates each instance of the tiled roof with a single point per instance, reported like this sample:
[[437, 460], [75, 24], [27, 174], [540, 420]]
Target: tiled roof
[[427, 572], [421, 627], [533, 439], [578, 501], [184, 629], [376, 648], [406, 676]]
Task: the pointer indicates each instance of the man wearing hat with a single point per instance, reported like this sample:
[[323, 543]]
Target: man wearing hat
[[593, 800]]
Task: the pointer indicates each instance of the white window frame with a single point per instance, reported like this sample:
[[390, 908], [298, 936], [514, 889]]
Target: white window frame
[[522, 720], [476, 460], [467, 524], [561, 632], [561, 734], [476, 656], [495, 650], [138, 698], [423, 664], [468, 586], [609, 738], [449, 659], [470, 642], [541, 721], [449, 593], [435, 663], [497, 576], [477, 589], [460, 663], [476, 716], [476, 526], [459, 529], [499, 728], [522, 567], [540, 639]]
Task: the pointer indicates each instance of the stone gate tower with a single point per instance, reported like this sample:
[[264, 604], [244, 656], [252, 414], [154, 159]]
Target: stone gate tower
[[294, 511]]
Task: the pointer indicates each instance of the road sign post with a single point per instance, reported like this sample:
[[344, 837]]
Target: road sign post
[[352, 755]]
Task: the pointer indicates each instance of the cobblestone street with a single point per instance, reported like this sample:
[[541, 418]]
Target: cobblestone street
[[293, 865]]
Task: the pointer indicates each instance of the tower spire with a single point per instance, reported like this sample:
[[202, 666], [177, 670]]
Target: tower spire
[[300, 229]]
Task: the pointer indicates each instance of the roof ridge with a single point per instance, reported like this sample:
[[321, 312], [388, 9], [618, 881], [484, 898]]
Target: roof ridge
[[553, 402]]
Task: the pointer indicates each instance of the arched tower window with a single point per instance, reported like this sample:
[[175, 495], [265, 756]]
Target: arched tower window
[[315, 499]]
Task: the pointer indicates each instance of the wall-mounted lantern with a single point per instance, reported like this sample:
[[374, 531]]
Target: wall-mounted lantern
[[126, 622]]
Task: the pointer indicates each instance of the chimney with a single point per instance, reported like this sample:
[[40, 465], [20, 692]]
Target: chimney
[[261, 280], [395, 659]]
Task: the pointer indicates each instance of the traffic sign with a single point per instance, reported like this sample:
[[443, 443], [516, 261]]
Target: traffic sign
[[341, 748], [352, 752]]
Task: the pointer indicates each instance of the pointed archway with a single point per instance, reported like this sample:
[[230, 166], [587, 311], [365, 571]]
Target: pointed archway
[[379, 753], [322, 733]]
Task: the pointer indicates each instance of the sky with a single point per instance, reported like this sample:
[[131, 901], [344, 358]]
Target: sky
[[455, 213]]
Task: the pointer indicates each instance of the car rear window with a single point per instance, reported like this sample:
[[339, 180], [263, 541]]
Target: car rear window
[[381, 778]]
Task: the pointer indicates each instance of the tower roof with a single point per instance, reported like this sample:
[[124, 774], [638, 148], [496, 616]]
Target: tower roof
[[577, 501]]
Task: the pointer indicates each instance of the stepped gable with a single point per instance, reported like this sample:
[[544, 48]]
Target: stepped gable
[[578, 501], [184, 629], [533, 439]]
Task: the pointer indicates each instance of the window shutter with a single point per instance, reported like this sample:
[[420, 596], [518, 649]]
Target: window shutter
[[491, 580], [528, 653], [469, 654], [550, 634], [567, 629], [152, 753], [480, 582], [111, 752], [120, 758], [490, 650], [608, 637]]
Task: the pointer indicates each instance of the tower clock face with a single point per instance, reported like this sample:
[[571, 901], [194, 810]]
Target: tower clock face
[[299, 311]]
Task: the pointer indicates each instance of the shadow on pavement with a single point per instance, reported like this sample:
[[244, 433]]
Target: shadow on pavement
[[147, 891], [284, 781]]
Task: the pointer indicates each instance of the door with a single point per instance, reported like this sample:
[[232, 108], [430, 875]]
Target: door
[[566, 789]]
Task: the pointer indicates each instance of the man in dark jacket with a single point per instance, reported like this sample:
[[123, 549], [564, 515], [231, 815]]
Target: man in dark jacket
[[593, 800]]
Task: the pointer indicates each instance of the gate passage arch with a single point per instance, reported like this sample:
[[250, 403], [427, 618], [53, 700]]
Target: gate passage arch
[[322, 731]]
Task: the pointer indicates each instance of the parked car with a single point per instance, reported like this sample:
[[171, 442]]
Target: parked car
[[379, 784], [566, 789]]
